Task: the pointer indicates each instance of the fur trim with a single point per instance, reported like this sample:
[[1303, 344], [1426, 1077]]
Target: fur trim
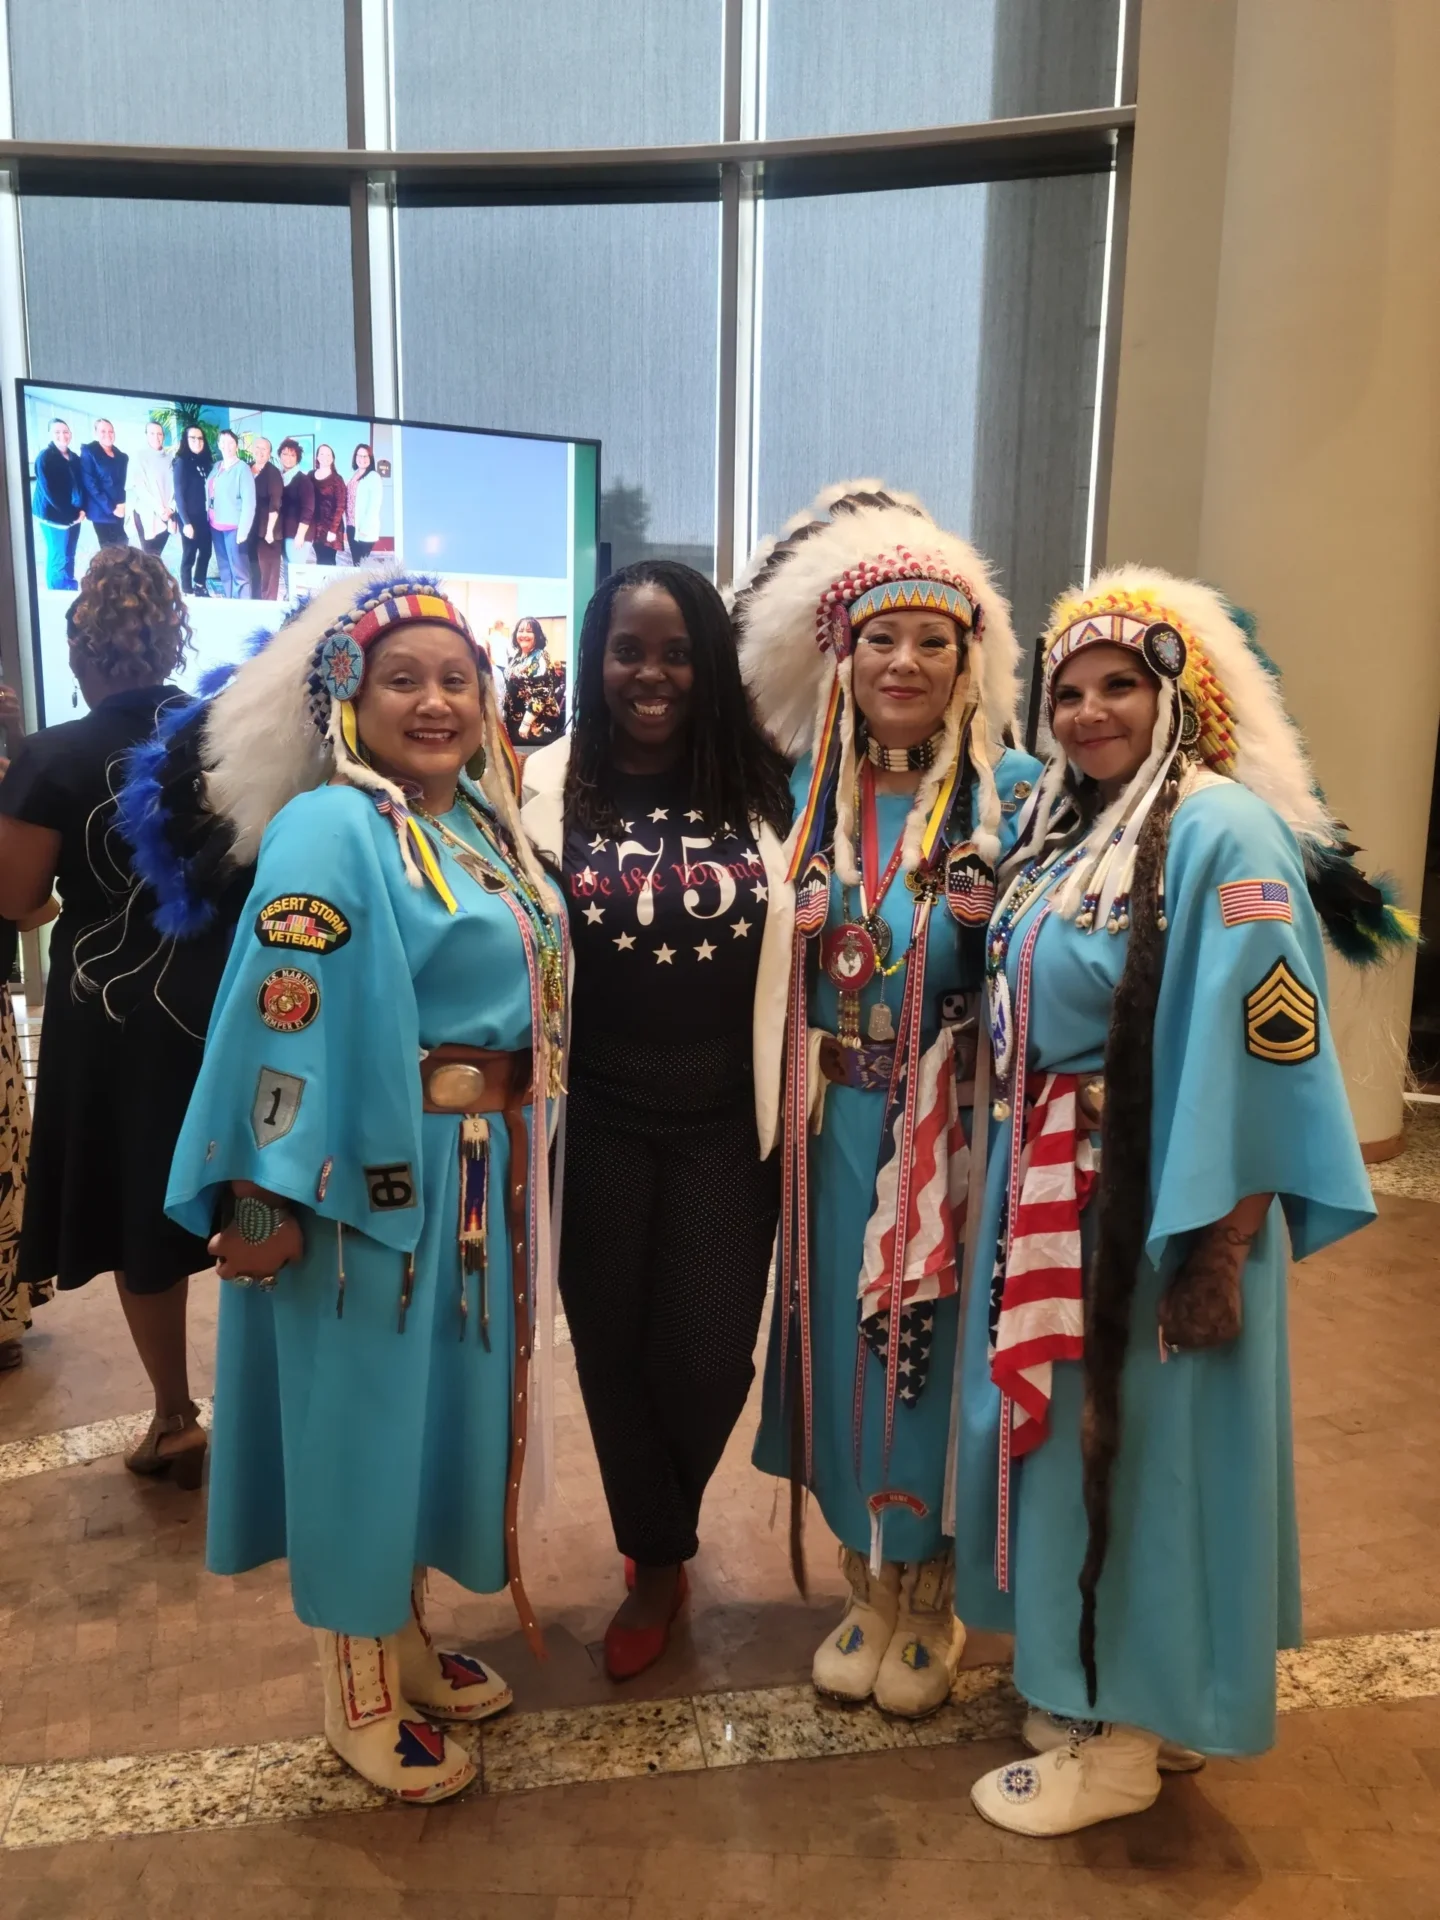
[[1122, 1209], [780, 590]]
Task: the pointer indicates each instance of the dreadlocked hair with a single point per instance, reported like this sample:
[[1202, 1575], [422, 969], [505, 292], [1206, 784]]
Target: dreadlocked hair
[[735, 773], [1122, 1203]]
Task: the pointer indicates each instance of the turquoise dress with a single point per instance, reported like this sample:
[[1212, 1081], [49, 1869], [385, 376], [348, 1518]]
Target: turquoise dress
[[1201, 1585], [353, 1448], [842, 1176]]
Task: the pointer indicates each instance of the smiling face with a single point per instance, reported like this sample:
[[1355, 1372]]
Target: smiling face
[[194, 439], [419, 710], [362, 458], [261, 450], [904, 673], [229, 446], [60, 434], [289, 458], [155, 434], [324, 460], [526, 638], [1103, 709], [105, 434], [649, 677]]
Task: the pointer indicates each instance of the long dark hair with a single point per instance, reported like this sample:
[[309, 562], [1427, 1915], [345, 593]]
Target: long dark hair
[[735, 774]]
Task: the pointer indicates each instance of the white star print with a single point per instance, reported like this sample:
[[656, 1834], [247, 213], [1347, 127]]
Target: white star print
[[628, 825], [625, 941], [660, 813], [664, 955], [594, 914], [597, 845], [741, 929], [760, 893], [705, 951], [694, 814], [587, 878]]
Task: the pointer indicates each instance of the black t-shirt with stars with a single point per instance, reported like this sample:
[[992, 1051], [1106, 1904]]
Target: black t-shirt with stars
[[666, 920]]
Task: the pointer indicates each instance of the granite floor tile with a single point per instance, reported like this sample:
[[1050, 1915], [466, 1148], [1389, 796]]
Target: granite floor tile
[[524, 1751], [790, 1723], [152, 1793], [301, 1779]]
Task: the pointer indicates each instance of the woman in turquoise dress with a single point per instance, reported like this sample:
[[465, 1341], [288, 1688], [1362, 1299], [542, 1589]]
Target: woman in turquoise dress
[[891, 630], [362, 1131], [1125, 1493]]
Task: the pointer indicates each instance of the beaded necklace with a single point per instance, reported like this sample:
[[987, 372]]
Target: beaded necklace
[[520, 891]]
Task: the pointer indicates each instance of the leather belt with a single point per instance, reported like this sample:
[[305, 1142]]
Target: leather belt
[[869, 1066], [457, 1080]]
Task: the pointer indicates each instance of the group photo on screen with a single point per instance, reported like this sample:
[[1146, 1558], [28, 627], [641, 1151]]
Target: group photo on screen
[[253, 508]]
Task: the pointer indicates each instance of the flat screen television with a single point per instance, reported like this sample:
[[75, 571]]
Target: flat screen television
[[509, 522]]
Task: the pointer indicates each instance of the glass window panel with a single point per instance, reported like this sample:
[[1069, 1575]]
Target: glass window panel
[[558, 73], [955, 357], [228, 300], [267, 74], [861, 66], [597, 322]]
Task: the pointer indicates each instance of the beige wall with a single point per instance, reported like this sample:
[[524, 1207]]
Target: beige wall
[[1278, 410]]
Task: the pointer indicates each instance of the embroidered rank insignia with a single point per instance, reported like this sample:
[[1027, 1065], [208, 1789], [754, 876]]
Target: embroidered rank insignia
[[276, 1103], [1242, 900], [390, 1188], [420, 1745], [288, 1000], [302, 920], [1282, 1019]]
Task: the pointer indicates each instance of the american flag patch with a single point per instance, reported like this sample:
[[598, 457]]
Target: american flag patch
[[1242, 900]]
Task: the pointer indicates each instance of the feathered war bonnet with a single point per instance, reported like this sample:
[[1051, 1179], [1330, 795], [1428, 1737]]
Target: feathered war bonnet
[[286, 721], [1220, 712], [862, 550]]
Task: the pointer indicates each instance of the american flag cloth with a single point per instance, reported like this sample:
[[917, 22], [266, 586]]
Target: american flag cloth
[[1242, 900], [940, 1165], [1041, 1318]]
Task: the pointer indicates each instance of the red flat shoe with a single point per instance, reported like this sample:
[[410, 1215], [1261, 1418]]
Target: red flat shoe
[[630, 1650]]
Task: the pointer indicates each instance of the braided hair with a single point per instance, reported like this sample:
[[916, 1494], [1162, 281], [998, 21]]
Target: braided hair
[[735, 773]]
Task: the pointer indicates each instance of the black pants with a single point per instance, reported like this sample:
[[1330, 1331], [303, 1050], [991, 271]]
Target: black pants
[[668, 1230], [152, 543], [360, 549], [110, 532], [324, 556], [195, 554]]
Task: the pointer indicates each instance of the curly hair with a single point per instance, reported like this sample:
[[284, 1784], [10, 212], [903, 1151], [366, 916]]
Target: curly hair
[[129, 621]]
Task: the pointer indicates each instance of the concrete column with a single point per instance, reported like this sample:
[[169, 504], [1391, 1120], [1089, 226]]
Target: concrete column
[[1278, 429]]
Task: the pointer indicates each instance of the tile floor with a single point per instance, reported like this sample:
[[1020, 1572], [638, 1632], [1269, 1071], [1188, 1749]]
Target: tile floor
[[719, 1787]]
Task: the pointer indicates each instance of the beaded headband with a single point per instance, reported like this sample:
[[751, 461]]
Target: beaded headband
[[900, 581], [1142, 625], [340, 656]]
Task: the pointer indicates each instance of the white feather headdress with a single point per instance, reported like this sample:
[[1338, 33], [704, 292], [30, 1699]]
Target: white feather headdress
[[275, 731], [1222, 710], [792, 596]]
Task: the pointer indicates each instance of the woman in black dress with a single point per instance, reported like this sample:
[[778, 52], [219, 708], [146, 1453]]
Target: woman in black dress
[[192, 518], [667, 809], [123, 1030]]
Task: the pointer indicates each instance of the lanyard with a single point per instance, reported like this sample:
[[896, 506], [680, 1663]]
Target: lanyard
[[871, 896]]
